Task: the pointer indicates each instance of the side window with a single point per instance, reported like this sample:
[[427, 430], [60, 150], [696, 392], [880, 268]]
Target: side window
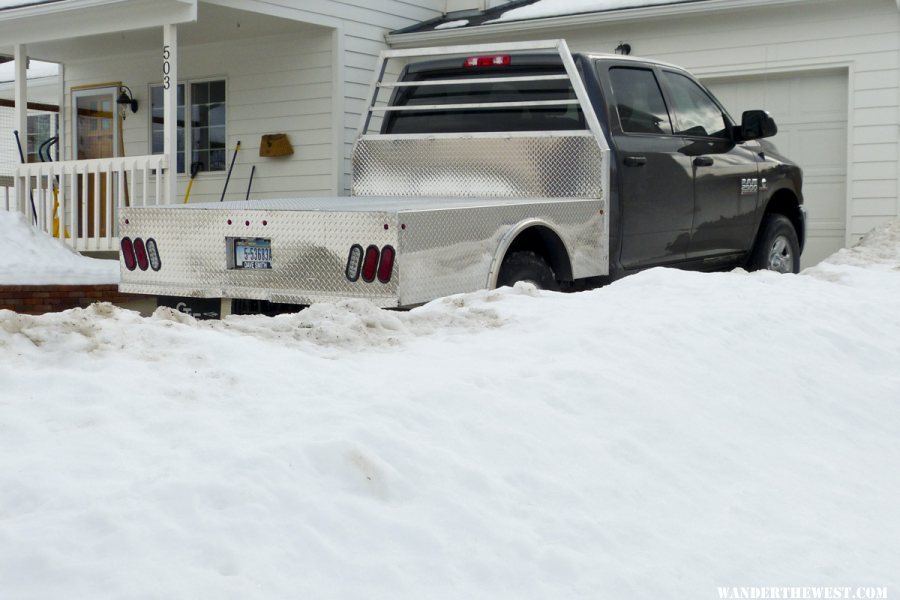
[[639, 101], [206, 128], [694, 111]]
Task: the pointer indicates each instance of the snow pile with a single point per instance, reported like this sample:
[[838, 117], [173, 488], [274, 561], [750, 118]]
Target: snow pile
[[880, 248], [453, 24], [31, 257], [670, 434], [555, 8]]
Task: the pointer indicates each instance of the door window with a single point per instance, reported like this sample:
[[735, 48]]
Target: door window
[[694, 111], [96, 123], [639, 101]]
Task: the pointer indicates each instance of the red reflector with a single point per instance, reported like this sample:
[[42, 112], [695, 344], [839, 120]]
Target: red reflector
[[370, 264], [498, 60], [128, 253], [386, 266], [141, 253]]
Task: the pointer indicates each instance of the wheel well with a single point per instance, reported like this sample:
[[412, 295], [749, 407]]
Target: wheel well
[[784, 202], [544, 242]]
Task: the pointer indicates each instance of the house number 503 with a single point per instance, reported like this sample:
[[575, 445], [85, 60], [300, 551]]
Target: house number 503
[[166, 67]]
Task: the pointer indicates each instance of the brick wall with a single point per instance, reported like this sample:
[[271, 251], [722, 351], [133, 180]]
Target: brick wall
[[39, 299]]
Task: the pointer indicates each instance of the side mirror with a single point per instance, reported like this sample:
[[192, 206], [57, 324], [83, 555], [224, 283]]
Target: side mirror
[[756, 124]]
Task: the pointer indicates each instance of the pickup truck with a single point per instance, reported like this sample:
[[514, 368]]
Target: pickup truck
[[486, 165]]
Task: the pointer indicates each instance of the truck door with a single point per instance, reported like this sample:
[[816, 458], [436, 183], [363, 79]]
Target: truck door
[[656, 196], [725, 174]]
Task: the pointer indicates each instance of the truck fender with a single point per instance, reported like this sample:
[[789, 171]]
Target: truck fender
[[510, 237]]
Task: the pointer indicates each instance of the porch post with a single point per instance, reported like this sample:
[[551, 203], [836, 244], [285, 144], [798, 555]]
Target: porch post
[[21, 97], [170, 109]]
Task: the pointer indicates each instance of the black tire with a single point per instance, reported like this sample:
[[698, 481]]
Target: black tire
[[777, 247], [527, 266]]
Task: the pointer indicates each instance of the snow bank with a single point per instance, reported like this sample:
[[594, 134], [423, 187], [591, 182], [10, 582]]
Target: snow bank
[[658, 438], [31, 257]]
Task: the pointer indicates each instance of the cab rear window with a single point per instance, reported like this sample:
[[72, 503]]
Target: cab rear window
[[480, 119]]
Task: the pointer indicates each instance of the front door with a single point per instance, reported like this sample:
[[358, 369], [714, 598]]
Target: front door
[[725, 173], [96, 136]]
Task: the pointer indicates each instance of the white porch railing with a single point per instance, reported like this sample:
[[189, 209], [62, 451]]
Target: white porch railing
[[78, 201]]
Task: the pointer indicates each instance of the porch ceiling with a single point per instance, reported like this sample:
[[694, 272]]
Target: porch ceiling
[[214, 23]]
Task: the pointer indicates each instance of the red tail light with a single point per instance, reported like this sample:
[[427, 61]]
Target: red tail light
[[386, 266], [141, 253], [370, 264], [128, 253], [498, 60]]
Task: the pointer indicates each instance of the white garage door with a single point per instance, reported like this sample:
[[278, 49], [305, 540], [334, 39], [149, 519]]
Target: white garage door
[[810, 109]]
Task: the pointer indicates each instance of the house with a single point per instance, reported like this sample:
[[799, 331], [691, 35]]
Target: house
[[149, 88], [828, 71]]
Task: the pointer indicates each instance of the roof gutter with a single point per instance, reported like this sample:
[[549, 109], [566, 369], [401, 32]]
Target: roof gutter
[[402, 40]]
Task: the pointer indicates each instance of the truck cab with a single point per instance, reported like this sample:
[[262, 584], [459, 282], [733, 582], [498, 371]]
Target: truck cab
[[690, 187]]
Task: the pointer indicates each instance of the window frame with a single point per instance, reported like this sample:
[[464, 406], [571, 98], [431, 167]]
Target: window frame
[[188, 137], [614, 106], [669, 95]]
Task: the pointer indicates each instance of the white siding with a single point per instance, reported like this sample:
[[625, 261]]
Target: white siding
[[361, 27], [279, 84], [860, 37]]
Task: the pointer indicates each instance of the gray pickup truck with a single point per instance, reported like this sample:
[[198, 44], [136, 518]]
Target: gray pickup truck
[[486, 165]]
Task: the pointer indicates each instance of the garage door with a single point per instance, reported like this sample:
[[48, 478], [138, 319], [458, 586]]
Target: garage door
[[811, 111]]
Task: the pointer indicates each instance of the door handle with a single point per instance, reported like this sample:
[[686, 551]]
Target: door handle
[[703, 161], [635, 161]]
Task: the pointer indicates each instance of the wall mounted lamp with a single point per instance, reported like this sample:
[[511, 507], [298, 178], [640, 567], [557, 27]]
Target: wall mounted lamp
[[623, 48], [126, 100]]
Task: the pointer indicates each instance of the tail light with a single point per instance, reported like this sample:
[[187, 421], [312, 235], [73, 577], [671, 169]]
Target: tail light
[[128, 253], [370, 264], [354, 262], [386, 265], [141, 253], [497, 60], [153, 254]]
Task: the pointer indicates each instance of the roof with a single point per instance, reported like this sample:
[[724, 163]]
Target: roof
[[534, 16], [522, 10]]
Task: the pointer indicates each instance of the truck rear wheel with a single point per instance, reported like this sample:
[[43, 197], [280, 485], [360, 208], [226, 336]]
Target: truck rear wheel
[[777, 248], [527, 266]]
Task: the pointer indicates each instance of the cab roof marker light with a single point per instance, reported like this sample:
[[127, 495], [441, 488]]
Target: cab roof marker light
[[141, 253], [386, 264], [128, 253], [498, 60], [354, 263], [153, 254]]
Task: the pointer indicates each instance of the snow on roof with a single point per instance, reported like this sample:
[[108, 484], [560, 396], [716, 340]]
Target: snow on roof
[[31, 257], [662, 437], [519, 10], [555, 8]]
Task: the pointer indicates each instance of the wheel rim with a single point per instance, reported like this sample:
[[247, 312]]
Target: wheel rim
[[781, 259]]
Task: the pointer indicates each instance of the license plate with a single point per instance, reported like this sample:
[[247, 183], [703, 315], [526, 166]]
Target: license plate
[[252, 253]]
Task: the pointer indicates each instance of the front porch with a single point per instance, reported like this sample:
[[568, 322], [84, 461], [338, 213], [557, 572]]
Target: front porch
[[205, 77]]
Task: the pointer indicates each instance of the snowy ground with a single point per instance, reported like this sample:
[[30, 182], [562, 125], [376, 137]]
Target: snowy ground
[[659, 438], [31, 257]]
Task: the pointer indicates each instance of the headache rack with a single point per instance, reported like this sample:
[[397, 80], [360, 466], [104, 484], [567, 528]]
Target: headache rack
[[491, 164]]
